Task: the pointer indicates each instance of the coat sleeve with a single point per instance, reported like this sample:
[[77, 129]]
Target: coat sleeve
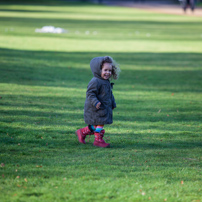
[[113, 102], [92, 92]]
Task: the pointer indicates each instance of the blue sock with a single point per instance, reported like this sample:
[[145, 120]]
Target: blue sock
[[98, 129]]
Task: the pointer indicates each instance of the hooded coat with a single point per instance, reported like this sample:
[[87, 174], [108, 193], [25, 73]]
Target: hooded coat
[[98, 90]]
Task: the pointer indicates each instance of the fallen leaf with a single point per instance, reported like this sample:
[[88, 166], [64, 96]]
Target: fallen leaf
[[168, 115], [39, 166], [143, 193], [149, 198], [172, 94], [159, 111], [18, 177], [18, 144], [25, 179], [2, 164], [182, 182], [3, 175], [165, 199]]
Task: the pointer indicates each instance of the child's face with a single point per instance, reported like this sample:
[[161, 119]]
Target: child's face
[[106, 71]]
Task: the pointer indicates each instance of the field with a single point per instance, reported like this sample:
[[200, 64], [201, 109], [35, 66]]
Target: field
[[156, 138]]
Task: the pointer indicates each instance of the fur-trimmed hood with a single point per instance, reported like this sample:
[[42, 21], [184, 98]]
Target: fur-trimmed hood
[[95, 65]]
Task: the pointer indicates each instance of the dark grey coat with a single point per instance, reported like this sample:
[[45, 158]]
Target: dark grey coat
[[98, 90]]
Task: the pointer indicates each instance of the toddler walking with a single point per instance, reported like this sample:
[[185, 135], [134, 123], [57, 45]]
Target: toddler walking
[[99, 100]]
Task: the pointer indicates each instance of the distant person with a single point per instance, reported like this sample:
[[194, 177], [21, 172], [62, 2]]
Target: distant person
[[188, 3], [99, 100]]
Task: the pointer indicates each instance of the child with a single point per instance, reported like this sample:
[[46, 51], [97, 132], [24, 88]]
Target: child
[[99, 100]]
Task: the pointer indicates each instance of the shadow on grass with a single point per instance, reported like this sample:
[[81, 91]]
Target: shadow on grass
[[25, 11], [48, 3], [179, 72], [159, 146]]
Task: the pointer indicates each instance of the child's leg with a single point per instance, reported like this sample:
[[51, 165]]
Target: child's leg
[[99, 128], [82, 132], [99, 134], [92, 127]]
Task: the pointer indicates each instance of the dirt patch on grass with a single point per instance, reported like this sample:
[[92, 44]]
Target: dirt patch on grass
[[173, 9], [169, 9]]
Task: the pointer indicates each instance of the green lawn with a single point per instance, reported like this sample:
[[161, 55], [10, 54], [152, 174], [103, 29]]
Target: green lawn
[[156, 137]]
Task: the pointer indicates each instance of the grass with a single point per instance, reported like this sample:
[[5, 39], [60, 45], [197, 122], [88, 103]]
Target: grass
[[156, 138]]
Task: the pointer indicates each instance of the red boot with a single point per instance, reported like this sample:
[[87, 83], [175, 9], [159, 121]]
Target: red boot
[[81, 134], [99, 142]]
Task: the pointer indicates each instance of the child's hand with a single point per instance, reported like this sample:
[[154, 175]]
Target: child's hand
[[98, 105]]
